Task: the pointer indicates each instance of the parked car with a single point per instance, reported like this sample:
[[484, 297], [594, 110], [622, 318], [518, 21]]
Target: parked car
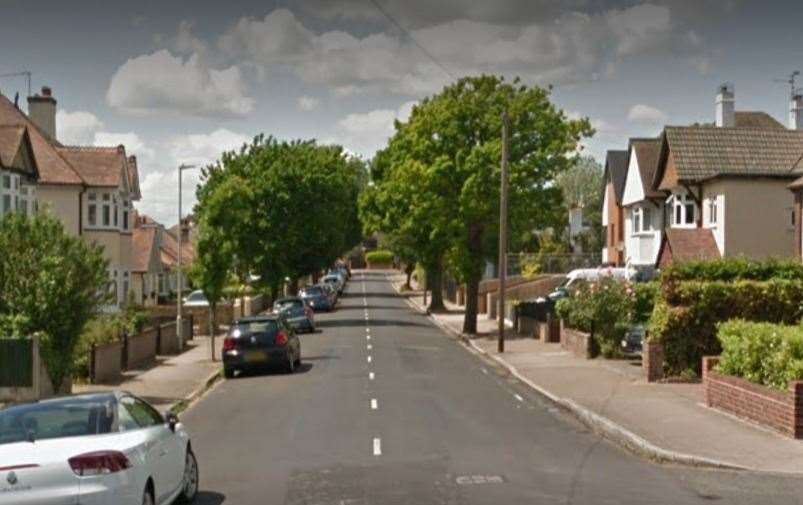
[[94, 449], [261, 341], [297, 313], [317, 297], [343, 267], [331, 292], [195, 299], [575, 277], [336, 281], [634, 339]]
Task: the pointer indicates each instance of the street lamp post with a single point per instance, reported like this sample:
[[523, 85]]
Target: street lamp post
[[179, 325]]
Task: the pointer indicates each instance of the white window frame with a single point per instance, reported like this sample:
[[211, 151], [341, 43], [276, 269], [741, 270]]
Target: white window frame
[[641, 217], [679, 204], [713, 211], [114, 204]]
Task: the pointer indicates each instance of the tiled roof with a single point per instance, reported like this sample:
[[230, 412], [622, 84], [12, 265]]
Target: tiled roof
[[702, 153], [647, 153], [169, 250], [750, 119], [98, 166], [53, 168], [797, 183], [616, 171], [687, 245], [143, 240], [11, 138]]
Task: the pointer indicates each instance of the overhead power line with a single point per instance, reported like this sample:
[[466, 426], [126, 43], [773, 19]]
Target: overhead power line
[[409, 35]]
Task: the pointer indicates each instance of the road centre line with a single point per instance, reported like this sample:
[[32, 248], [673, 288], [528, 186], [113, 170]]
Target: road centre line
[[369, 358], [377, 447], [369, 347], [371, 376], [518, 397], [374, 404]]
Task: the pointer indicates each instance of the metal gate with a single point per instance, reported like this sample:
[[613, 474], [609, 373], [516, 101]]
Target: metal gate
[[16, 362]]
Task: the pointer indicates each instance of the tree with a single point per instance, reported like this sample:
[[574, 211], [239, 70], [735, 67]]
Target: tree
[[53, 283], [448, 153], [582, 186]]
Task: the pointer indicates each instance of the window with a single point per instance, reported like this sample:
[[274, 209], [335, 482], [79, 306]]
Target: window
[[125, 215], [684, 211], [92, 209], [642, 220], [106, 209], [636, 220], [712, 210], [144, 415], [14, 196], [125, 286], [115, 209]]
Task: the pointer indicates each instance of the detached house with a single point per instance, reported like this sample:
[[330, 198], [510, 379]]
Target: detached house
[[727, 186], [643, 206], [146, 265], [612, 212], [90, 189]]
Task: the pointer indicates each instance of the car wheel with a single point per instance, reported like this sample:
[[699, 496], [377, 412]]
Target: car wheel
[[147, 497], [189, 483], [228, 372]]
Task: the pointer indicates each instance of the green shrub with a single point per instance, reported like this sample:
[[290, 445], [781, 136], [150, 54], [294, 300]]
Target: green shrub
[[733, 269], [99, 331], [605, 310], [379, 257], [686, 316], [764, 353]]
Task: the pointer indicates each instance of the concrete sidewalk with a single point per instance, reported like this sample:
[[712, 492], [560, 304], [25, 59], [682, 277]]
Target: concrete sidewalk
[[171, 379], [667, 422]]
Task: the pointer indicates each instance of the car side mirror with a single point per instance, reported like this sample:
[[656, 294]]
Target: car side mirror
[[172, 421]]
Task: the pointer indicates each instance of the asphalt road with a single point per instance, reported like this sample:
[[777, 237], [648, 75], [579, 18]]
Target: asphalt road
[[388, 410]]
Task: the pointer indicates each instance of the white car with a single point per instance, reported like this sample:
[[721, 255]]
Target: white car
[[195, 299], [93, 449], [335, 281]]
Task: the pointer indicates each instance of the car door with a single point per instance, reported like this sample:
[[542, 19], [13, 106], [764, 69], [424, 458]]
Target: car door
[[164, 465]]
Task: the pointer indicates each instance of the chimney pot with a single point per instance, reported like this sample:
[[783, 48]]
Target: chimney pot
[[725, 106], [42, 111], [46, 91]]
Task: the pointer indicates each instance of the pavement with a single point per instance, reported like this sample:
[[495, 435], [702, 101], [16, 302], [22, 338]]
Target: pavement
[[666, 422], [170, 380], [386, 409]]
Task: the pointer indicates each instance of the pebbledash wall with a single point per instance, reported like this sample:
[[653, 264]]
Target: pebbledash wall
[[779, 410]]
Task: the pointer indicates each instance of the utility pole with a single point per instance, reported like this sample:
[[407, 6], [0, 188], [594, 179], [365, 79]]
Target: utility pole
[[503, 233], [179, 274]]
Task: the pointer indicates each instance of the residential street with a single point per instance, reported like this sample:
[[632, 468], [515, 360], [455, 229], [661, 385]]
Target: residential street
[[388, 410]]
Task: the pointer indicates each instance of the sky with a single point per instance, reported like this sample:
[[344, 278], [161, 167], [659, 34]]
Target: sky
[[180, 82]]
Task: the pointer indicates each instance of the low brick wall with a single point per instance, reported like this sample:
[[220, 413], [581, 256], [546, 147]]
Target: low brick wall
[[779, 410], [652, 361], [107, 362], [576, 341], [141, 348], [168, 343]]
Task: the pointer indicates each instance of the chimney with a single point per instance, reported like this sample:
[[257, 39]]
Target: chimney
[[726, 106], [796, 113], [42, 111]]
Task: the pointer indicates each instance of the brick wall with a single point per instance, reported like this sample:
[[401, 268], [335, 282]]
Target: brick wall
[[779, 410], [652, 361], [107, 362], [550, 330], [576, 341], [141, 348]]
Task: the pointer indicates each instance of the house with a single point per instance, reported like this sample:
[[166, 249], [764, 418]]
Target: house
[[90, 189], [612, 212], [642, 205], [18, 170], [727, 187], [169, 257], [146, 261]]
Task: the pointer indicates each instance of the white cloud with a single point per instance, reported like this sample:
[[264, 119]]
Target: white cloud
[[76, 128], [642, 113], [569, 47], [364, 133], [159, 180], [308, 103], [163, 83]]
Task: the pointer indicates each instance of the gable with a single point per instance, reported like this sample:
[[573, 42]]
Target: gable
[[669, 180], [634, 187], [608, 189]]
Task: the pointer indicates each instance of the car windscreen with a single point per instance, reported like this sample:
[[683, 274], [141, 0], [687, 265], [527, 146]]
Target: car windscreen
[[315, 291], [253, 328], [197, 296], [289, 304], [71, 417]]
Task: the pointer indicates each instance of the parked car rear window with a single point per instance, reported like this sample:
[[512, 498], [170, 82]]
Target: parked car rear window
[[289, 304], [253, 327], [313, 291], [71, 417]]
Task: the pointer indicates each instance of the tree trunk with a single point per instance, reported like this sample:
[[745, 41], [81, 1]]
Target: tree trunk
[[435, 285], [316, 276], [409, 269], [274, 293], [472, 306], [293, 286]]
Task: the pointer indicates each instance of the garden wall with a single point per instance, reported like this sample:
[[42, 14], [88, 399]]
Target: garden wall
[[578, 342]]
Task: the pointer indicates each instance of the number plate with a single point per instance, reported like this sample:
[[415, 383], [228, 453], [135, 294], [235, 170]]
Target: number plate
[[256, 356]]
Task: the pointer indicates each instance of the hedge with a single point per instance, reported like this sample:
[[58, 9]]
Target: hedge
[[764, 353], [379, 257], [733, 269], [686, 316]]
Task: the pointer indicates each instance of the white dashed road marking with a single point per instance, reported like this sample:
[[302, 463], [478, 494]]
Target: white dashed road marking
[[371, 376], [369, 359], [377, 447], [518, 397], [374, 404]]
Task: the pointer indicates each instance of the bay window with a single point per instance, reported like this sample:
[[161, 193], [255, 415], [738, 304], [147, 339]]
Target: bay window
[[642, 219], [683, 211], [16, 195]]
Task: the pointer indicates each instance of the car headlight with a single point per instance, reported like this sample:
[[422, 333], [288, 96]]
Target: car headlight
[[312, 303]]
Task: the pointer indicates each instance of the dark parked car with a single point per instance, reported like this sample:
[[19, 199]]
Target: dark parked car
[[296, 312], [259, 341], [317, 297]]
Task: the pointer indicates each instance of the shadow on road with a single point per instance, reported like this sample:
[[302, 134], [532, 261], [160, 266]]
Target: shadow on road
[[354, 323], [209, 498]]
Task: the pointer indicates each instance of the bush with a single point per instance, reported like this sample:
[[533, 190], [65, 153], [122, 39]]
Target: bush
[[379, 257], [99, 331], [764, 353], [685, 318], [733, 269], [605, 310]]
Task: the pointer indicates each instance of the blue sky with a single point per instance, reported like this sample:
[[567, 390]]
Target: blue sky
[[181, 81]]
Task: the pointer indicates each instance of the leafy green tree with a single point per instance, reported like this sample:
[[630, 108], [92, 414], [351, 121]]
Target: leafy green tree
[[53, 283], [582, 186]]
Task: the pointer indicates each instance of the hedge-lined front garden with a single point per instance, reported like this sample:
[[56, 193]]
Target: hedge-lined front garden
[[379, 257], [696, 296]]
